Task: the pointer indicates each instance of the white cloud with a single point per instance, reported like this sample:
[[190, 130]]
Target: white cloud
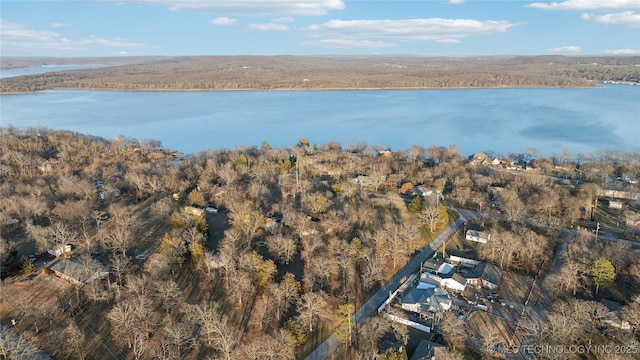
[[456, 2], [268, 27], [16, 37], [250, 7], [431, 29], [566, 49], [349, 44], [223, 20], [625, 18], [284, 19], [587, 5], [623, 52], [448, 41], [58, 25]]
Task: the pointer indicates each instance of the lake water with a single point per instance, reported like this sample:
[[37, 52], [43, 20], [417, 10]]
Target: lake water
[[5, 73], [500, 120]]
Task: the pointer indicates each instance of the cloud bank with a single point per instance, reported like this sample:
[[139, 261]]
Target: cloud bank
[[16, 37], [623, 52], [587, 5], [250, 7], [625, 18], [566, 49], [390, 31]]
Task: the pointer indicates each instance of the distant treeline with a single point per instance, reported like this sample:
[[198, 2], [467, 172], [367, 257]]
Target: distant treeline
[[336, 72]]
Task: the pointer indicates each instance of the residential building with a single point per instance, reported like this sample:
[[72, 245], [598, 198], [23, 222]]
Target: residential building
[[77, 273], [477, 236]]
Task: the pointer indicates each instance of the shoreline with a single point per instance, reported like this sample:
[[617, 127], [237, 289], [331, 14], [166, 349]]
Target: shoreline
[[593, 86]]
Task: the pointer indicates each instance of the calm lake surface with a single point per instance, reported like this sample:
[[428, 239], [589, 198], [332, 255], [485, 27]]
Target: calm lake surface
[[500, 120], [5, 73]]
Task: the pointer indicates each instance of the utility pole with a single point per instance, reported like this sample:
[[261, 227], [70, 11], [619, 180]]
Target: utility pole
[[597, 229]]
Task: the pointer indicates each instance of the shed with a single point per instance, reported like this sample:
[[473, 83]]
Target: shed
[[615, 204], [59, 250]]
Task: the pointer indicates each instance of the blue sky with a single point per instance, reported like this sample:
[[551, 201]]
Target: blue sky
[[318, 27]]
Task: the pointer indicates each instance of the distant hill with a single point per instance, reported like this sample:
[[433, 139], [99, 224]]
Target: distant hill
[[21, 62], [326, 72]]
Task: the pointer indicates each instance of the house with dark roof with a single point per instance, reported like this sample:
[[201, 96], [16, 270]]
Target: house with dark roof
[[613, 317], [428, 350], [77, 273], [436, 266], [455, 282], [485, 274]]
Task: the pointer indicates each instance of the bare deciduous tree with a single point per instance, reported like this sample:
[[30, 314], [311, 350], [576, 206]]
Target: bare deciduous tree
[[282, 247], [454, 330], [312, 307], [216, 330]]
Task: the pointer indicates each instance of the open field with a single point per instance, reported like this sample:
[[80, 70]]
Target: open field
[[329, 72]]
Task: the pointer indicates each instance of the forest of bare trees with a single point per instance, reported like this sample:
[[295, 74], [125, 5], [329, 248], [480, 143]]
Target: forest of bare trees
[[348, 72], [294, 243]]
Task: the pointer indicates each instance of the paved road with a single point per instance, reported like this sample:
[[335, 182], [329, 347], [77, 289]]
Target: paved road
[[367, 309], [538, 312]]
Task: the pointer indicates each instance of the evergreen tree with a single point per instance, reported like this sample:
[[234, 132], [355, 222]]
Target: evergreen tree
[[347, 326], [416, 205], [603, 273]]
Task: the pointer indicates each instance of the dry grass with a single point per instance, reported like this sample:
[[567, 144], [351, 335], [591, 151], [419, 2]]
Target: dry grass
[[515, 288]]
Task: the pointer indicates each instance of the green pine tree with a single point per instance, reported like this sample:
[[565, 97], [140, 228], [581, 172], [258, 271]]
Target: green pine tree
[[416, 205], [603, 273]]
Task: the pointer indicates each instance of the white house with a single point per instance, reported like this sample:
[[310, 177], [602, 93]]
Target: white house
[[478, 236], [424, 190], [426, 300], [452, 281], [438, 273]]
